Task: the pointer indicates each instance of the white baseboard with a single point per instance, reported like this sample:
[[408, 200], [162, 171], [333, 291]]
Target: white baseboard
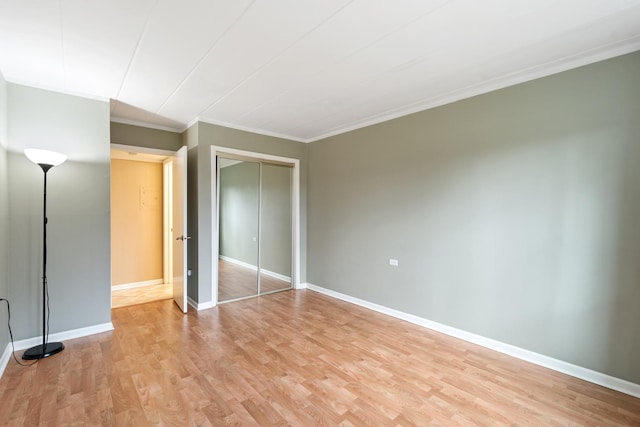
[[604, 380], [255, 268], [66, 335], [276, 275], [137, 284], [238, 262], [302, 285], [4, 359], [200, 306], [59, 336]]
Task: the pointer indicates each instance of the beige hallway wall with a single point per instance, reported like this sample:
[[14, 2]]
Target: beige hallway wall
[[136, 221]]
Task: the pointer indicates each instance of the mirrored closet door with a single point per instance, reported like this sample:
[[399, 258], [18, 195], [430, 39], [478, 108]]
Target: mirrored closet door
[[275, 228], [254, 227]]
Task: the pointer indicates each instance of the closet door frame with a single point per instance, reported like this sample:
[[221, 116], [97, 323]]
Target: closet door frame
[[295, 209]]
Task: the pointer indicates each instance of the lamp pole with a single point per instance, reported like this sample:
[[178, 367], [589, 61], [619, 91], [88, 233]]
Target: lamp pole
[[46, 349]]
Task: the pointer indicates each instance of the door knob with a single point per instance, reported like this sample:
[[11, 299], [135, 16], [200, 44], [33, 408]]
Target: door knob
[[183, 238]]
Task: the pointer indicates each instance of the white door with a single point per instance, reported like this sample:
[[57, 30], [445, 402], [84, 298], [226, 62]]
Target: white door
[[179, 234]]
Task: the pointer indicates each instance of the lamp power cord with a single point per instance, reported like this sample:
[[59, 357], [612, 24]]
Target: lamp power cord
[[13, 347]]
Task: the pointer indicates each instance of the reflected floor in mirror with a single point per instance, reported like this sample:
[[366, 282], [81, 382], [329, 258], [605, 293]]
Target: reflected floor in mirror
[[141, 295], [236, 281]]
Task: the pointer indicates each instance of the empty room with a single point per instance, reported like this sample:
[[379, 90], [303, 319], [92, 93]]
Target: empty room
[[320, 213]]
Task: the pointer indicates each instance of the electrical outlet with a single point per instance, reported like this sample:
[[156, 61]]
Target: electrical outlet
[[393, 262]]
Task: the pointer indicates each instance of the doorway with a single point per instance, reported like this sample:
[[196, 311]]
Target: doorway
[[140, 226], [256, 228]]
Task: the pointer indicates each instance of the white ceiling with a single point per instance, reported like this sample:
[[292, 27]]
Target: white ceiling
[[301, 69]]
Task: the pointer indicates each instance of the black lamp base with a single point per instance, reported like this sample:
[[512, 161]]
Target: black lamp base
[[40, 351]]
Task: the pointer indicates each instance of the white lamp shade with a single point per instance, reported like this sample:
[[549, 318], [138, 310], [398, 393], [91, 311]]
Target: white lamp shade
[[44, 157]]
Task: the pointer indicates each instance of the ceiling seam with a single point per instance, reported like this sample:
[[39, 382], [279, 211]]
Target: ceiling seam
[[471, 90], [343, 58], [275, 58], [135, 51], [500, 82], [368, 45], [195, 67]]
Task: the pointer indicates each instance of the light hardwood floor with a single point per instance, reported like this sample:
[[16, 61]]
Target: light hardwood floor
[[293, 358], [141, 295]]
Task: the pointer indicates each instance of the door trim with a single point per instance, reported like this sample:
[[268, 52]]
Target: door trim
[[295, 210], [145, 150], [167, 220]]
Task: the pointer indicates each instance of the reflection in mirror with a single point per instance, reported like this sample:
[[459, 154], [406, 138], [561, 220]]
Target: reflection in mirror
[[275, 228], [239, 196]]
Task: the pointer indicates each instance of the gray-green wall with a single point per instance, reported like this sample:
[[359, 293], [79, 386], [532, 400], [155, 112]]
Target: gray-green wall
[[78, 235], [4, 217], [190, 139], [275, 221], [514, 215], [139, 136], [239, 212], [200, 137]]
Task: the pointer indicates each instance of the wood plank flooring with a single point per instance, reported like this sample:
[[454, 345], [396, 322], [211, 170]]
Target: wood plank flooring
[[141, 295], [292, 358]]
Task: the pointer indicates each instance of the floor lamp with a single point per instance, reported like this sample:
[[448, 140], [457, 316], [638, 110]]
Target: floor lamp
[[46, 160]]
